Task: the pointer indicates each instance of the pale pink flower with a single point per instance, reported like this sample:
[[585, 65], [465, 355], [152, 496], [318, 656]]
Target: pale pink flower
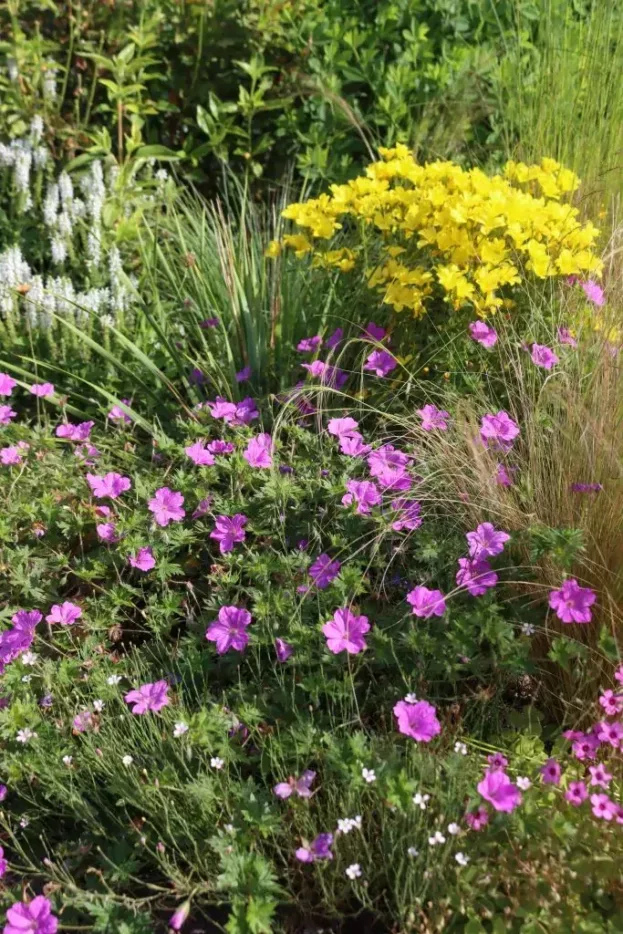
[[7, 384], [143, 560], [258, 451], [110, 485], [199, 455], [166, 506], [149, 697], [64, 613]]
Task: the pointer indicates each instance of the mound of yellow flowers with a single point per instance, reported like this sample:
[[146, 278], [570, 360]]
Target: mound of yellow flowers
[[420, 231]]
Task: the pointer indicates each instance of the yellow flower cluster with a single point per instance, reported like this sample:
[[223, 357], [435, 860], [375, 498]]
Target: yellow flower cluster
[[438, 229]]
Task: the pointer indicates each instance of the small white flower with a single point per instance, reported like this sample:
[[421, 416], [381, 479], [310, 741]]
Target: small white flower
[[454, 829], [353, 871], [26, 679], [127, 760], [528, 629], [523, 782], [67, 760], [369, 775], [356, 822], [29, 658], [461, 748], [180, 728], [24, 822], [98, 705], [411, 699], [344, 825], [421, 801], [113, 679], [229, 828], [217, 763], [461, 859], [412, 852], [436, 838], [25, 735]]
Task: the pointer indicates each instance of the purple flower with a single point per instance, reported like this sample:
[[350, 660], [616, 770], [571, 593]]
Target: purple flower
[[380, 362], [551, 772], [179, 916], [497, 761], [601, 806], [502, 475], [498, 430], [106, 532], [209, 323], [12, 643], [543, 356], [343, 428], [419, 720], [243, 375], [611, 733], [345, 632], [612, 703], [3, 792], [433, 418], [88, 452], [486, 541], [374, 331], [483, 334], [476, 575], [388, 466], [593, 292], [117, 414], [323, 571], [230, 630], [7, 383], [199, 455], [149, 697], [26, 619], [222, 409], [353, 446], [34, 917], [497, 788], [364, 493], [299, 786], [65, 613], [258, 451], [409, 515], [246, 412], [6, 414], [77, 433], [166, 506], [197, 377], [566, 337], [572, 603], [228, 531], [221, 447], [426, 603], [83, 721], [11, 456], [599, 775], [3, 863], [586, 747], [309, 344], [110, 485], [143, 560], [283, 650], [203, 506], [586, 487], [320, 848], [576, 793], [334, 339]]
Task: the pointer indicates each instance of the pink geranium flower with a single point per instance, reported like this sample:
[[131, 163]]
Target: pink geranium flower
[[483, 334], [388, 466], [345, 632], [362, 492], [26, 619], [600, 775], [230, 630], [602, 807], [6, 414], [576, 793], [42, 389], [221, 447], [318, 849], [107, 532], [117, 414], [551, 772], [478, 819], [143, 560], [612, 703], [497, 788], [380, 362], [334, 339], [374, 331], [83, 721], [611, 733], [299, 786], [78, 433], [498, 430], [343, 427], [433, 418], [64, 613], [353, 446], [418, 720], [543, 356], [409, 515], [566, 337], [426, 603], [572, 603], [149, 697], [166, 506], [593, 292], [283, 650], [11, 455], [476, 575], [309, 344], [486, 541], [258, 451], [34, 917], [229, 531], [7, 384], [199, 455], [110, 485]]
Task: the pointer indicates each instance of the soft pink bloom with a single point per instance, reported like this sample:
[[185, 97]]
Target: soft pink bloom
[[240, 413], [283, 650], [566, 337], [388, 466], [42, 389], [229, 531], [299, 786], [230, 630], [65, 613], [77, 433], [180, 916], [362, 492], [345, 632], [576, 793], [498, 430], [143, 560], [323, 571], [486, 541], [110, 485], [87, 452], [83, 721], [497, 788], [602, 807], [433, 418], [409, 515], [6, 414], [380, 362], [599, 775], [203, 506], [543, 356], [618, 675], [258, 451], [343, 427], [551, 772], [593, 292], [221, 447], [476, 575], [572, 603], [166, 506], [612, 733], [149, 697], [318, 849], [3, 862], [107, 532], [7, 383], [419, 720], [34, 917], [585, 747], [353, 446], [483, 334], [11, 456], [309, 344], [426, 603], [117, 414], [612, 703], [478, 819], [222, 409], [199, 455], [497, 761]]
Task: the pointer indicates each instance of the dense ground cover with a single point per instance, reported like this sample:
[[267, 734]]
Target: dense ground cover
[[311, 536]]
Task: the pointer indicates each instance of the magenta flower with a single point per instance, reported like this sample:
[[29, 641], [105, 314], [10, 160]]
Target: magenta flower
[[374, 331], [166, 506], [65, 613], [77, 433], [243, 375], [486, 541], [478, 819], [117, 414], [483, 334], [599, 775], [593, 292], [320, 848], [258, 451], [586, 487], [551, 772], [199, 455], [229, 531], [334, 339], [3, 863], [230, 630], [497, 761], [107, 532], [203, 506], [323, 571], [572, 603], [309, 344], [388, 467], [498, 430], [179, 916], [497, 788], [149, 697], [7, 384], [11, 456], [362, 492], [601, 806], [585, 747], [433, 418], [409, 515], [380, 362], [353, 445], [299, 786], [503, 477], [543, 356], [612, 703], [111, 485], [576, 793], [566, 337], [419, 720], [26, 619], [246, 412], [143, 560], [283, 650], [12, 643], [618, 675], [476, 575], [209, 323], [34, 917], [221, 447], [426, 603], [343, 428], [221, 408], [611, 733], [345, 632], [6, 414]]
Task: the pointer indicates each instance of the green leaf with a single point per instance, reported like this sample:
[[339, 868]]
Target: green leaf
[[159, 152]]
